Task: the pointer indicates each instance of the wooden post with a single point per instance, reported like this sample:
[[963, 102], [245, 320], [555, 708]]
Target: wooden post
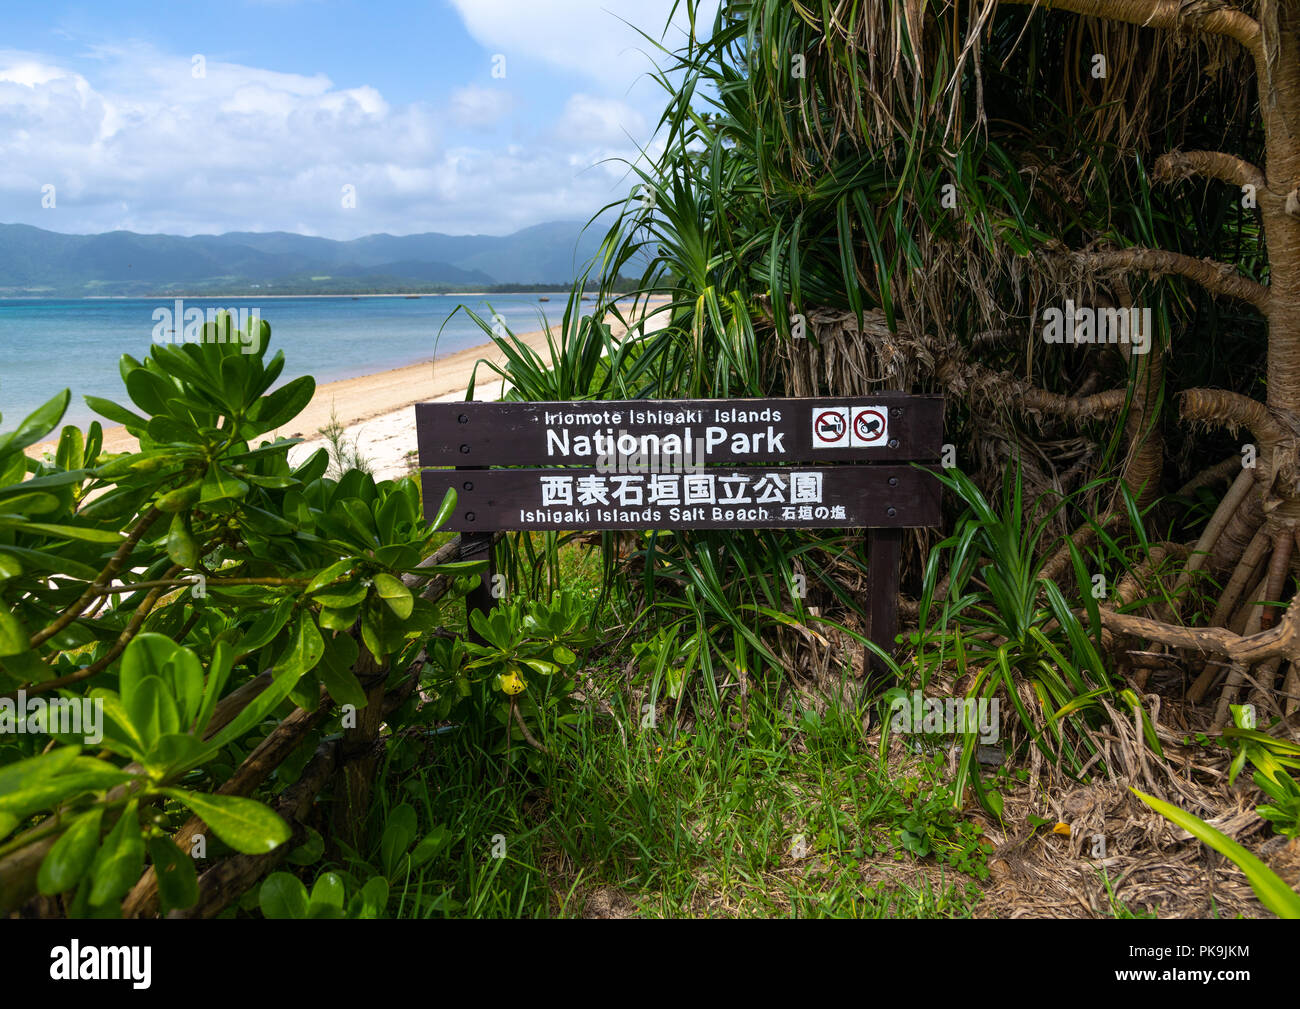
[[473, 546], [884, 549], [477, 547]]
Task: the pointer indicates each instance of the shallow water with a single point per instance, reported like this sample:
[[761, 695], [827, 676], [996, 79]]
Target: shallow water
[[47, 345]]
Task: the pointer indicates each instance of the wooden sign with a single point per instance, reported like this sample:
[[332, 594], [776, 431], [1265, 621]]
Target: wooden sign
[[690, 464], [887, 427], [722, 497]]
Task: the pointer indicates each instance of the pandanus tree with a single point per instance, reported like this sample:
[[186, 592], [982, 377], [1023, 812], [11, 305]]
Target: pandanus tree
[[1254, 528], [855, 196]]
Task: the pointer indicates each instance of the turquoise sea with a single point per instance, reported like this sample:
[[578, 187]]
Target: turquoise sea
[[49, 345]]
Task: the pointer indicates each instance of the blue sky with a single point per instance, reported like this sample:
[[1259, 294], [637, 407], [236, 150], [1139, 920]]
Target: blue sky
[[291, 101]]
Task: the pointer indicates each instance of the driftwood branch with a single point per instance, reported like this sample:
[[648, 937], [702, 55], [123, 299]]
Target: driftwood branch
[[1282, 641]]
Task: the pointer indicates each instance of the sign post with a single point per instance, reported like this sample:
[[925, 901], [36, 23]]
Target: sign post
[[690, 464]]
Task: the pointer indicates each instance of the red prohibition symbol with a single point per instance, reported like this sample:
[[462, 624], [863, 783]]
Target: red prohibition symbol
[[831, 427], [869, 425]]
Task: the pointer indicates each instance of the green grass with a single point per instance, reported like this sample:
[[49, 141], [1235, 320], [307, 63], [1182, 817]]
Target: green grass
[[781, 818]]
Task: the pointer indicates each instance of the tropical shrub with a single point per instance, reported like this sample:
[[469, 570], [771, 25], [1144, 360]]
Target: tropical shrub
[[164, 610]]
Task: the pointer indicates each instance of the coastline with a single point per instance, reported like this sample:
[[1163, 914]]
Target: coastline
[[374, 410]]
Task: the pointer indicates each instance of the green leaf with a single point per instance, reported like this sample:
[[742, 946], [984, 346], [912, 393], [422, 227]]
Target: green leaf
[[431, 845], [149, 390], [329, 575], [264, 629], [37, 425], [117, 414], [313, 467], [305, 647], [218, 673], [245, 824], [218, 485], [336, 670], [342, 597], [395, 594], [71, 453], [1271, 889], [310, 850], [63, 532], [257, 709], [326, 897], [284, 404], [398, 834], [120, 860], [71, 855], [147, 655], [13, 638], [119, 734], [339, 620], [372, 900], [445, 509], [174, 752], [181, 499], [86, 775], [152, 709], [283, 896], [182, 548], [178, 883], [35, 503]]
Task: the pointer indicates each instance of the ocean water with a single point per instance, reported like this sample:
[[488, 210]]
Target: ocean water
[[55, 344]]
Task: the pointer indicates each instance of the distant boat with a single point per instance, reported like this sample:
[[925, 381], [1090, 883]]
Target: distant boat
[[543, 299], [356, 297], [412, 297]]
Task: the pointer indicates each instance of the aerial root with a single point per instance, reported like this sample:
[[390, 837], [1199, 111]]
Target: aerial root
[[1133, 586], [1251, 559], [1201, 552], [1237, 532], [1211, 475], [1278, 567]]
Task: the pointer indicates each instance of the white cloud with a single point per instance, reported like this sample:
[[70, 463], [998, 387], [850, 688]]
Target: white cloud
[[600, 121], [474, 105], [590, 37], [139, 143]]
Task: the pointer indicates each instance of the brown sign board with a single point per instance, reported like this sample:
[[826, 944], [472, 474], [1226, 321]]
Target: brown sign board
[[716, 497], [689, 464], [885, 427]]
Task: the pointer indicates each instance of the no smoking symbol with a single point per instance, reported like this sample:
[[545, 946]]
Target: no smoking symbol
[[829, 427]]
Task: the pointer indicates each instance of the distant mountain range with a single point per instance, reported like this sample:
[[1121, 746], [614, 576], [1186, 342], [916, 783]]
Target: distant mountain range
[[39, 263]]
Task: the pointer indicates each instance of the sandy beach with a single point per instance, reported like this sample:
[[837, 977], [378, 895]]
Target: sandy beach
[[375, 410]]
